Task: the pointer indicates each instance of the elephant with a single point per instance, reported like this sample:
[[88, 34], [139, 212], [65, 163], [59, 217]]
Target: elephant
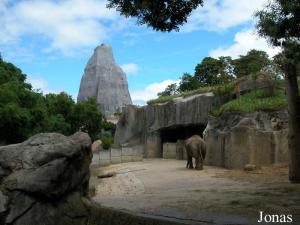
[[195, 148]]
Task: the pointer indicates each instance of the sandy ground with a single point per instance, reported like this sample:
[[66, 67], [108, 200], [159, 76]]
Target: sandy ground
[[212, 196]]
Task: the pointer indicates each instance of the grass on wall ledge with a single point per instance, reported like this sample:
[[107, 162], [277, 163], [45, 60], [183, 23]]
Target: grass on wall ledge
[[253, 101]]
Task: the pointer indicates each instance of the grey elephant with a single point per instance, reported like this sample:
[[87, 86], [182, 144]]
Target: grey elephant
[[195, 148]]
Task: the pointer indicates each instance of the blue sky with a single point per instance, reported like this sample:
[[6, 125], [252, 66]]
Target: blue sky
[[52, 40]]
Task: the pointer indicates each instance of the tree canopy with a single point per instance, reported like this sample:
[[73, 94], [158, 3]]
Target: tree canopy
[[211, 71], [253, 62], [279, 22], [161, 15], [171, 89], [25, 112]]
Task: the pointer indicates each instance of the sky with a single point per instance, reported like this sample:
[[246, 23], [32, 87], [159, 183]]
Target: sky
[[52, 40]]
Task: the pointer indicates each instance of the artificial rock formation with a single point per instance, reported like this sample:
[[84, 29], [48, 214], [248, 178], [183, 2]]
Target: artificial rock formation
[[152, 125], [106, 81], [235, 140], [44, 180]]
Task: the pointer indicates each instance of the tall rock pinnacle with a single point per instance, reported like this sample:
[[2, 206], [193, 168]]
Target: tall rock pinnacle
[[106, 81]]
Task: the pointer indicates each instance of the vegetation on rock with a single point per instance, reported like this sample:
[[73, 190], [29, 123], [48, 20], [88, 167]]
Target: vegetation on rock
[[220, 75], [251, 102]]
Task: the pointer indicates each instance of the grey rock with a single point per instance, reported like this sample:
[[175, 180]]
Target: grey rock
[[97, 146], [44, 180], [235, 140], [249, 84], [3, 202], [106, 81], [250, 167]]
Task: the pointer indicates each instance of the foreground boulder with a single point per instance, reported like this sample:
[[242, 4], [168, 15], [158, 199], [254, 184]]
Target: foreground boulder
[[44, 180]]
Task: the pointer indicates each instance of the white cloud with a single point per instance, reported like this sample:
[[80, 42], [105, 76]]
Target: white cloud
[[130, 68], [68, 25], [244, 41], [39, 83], [219, 15], [140, 97]]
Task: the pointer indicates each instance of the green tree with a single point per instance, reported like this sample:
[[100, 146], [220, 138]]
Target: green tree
[[61, 103], [279, 22], [109, 126], [226, 69], [207, 71], [25, 112], [87, 117], [213, 71], [170, 90], [251, 63], [57, 123], [162, 15], [14, 123], [9, 72], [15, 98], [188, 83]]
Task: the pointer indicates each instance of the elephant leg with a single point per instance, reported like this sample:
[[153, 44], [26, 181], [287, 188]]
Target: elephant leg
[[190, 163], [199, 164]]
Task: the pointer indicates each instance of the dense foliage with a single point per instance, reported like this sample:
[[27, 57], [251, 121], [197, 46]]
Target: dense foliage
[[161, 15], [25, 112], [222, 71]]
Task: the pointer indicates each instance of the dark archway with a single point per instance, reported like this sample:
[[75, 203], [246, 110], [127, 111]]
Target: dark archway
[[174, 133], [180, 132]]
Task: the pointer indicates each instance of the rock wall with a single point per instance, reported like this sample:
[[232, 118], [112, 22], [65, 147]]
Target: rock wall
[[234, 140], [106, 81], [144, 125], [44, 180]]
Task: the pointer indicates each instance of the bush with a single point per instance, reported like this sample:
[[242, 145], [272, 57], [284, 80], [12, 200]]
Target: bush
[[107, 142]]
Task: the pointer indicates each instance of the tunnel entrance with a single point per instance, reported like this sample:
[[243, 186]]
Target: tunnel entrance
[[181, 132], [172, 134]]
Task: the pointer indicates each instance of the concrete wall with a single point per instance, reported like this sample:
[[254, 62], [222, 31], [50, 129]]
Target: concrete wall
[[120, 155], [96, 158], [153, 145], [169, 150], [116, 155], [104, 158]]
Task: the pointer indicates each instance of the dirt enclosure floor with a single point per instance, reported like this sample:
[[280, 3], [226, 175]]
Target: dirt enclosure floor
[[165, 188]]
